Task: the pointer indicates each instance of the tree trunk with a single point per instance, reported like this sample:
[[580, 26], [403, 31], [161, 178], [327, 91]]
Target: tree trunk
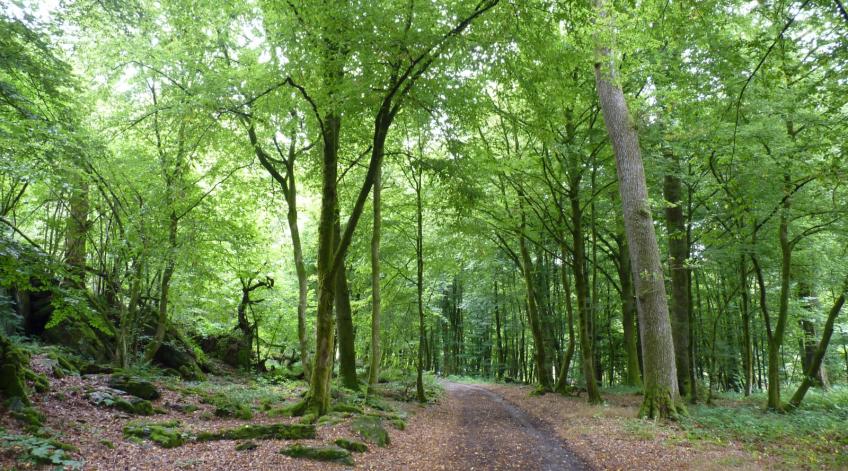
[[419, 281], [678, 254], [374, 369], [568, 355], [628, 306], [532, 308], [164, 289], [76, 232], [344, 324], [581, 285], [660, 374], [747, 351]]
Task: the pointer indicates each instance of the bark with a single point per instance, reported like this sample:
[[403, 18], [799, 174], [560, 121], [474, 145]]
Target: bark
[[747, 350], [678, 249], [374, 370], [532, 308], [76, 232], [633, 375], [581, 287], [568, 355], [775, 338], [660, 374], [419, 282], [344, 327], [164, 289], [501, 355]]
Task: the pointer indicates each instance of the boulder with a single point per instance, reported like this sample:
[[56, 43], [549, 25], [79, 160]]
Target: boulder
[[136, 386]]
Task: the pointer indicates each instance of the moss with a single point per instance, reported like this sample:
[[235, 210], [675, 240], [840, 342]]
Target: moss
[[351, 445], [166, 434], [25, 413], [398, 423], [135, 386], [266, 432], [346, 407], [379, 404], [226, 406], [659, 404], [248, 445], [39, 382], [135, 406], [330, 419], [12, 383], [108, 444], [330, 453], [370, 427]]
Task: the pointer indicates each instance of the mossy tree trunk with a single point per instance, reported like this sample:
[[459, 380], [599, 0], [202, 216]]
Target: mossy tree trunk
[[344, 327], [376, 306], [633, 375], [678, 253], [662, 398]]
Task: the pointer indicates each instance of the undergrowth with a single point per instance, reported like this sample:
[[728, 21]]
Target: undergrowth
[[815, 435]]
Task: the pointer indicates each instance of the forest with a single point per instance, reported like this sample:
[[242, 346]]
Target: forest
[[423, 234]]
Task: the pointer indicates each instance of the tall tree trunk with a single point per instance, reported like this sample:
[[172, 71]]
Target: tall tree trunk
[[500, 352], [747, 350], [164, 289], [568, 355], [678, 254], [660, 374], [374, 369], [419, 281], [344, 326], [318, 398], [532, 308], [628, 306], [76, 232], [581, 285]]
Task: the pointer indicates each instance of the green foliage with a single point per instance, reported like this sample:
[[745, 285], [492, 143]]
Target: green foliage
[[166, 434], [809, 437], [261, 432], [333, 454], [40, 451]]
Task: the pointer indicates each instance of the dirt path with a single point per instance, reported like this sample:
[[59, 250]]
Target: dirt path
[[473, 428]]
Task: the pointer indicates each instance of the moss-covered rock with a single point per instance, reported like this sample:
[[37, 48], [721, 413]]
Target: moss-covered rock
[[24, 413], [329, 453], [346, 407], [261, 432], [134, 406], [79, 337], [351, 445], [330, 419], [135, 386], [13, 365], [370, 427], [165, 434], [92, 368], [245, 446], [397, 423]]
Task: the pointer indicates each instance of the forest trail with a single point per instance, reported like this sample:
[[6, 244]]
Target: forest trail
[[496, 434], [473, 428]]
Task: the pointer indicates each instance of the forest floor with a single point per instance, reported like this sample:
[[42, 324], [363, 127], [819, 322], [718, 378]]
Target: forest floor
[[472, 426]]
